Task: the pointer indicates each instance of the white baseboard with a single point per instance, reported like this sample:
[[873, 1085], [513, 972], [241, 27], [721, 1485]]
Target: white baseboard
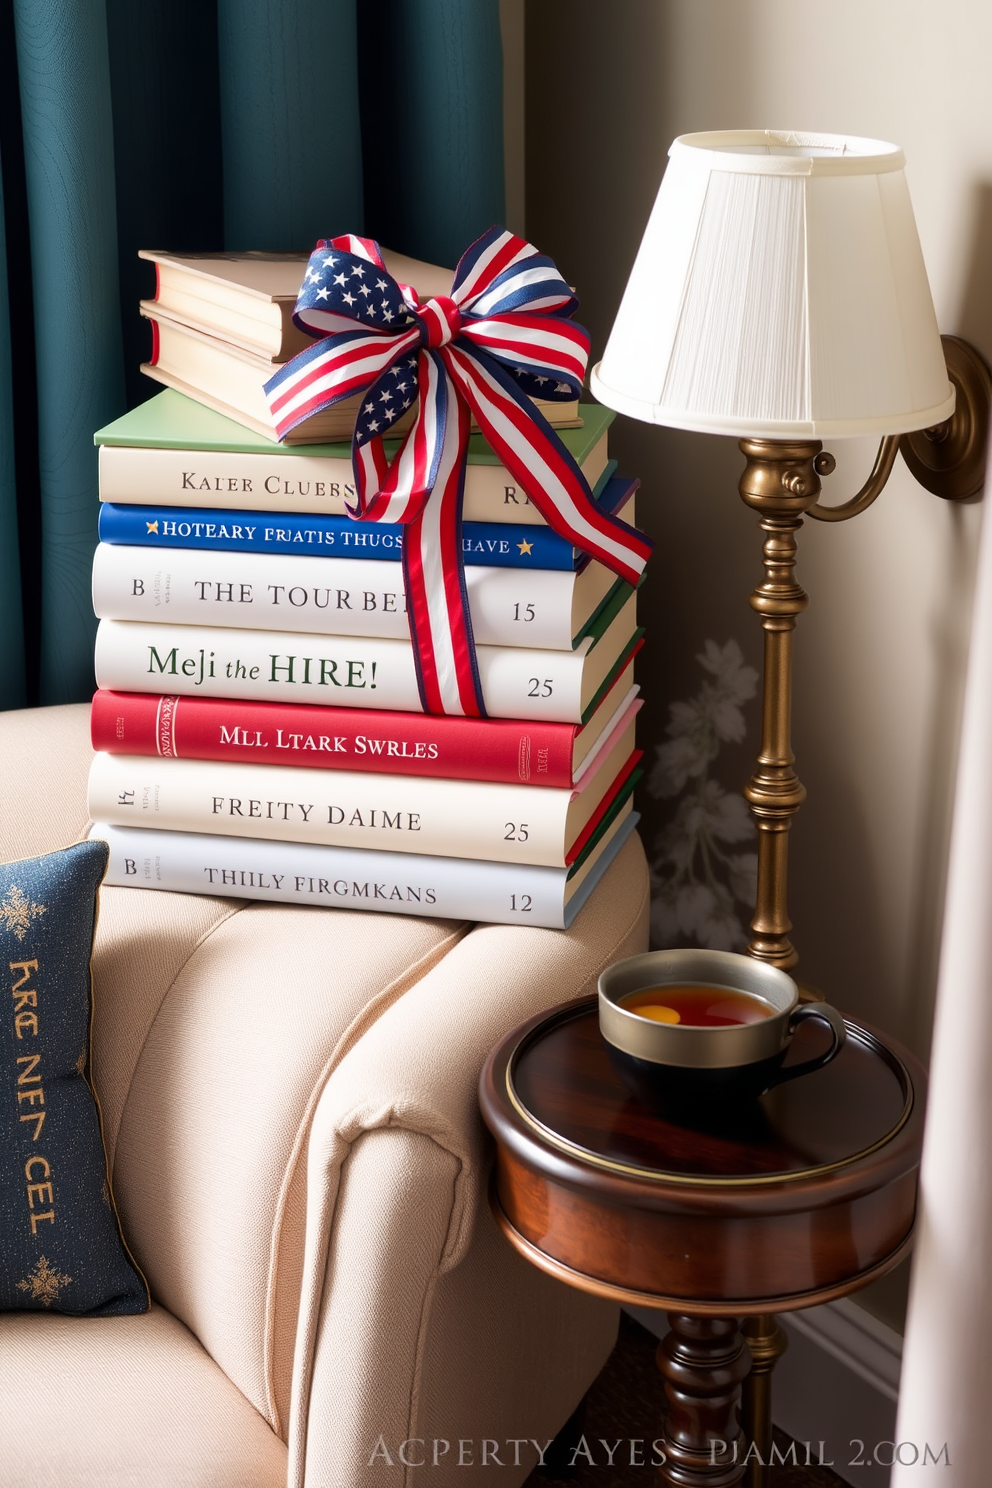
[[836, 1388]]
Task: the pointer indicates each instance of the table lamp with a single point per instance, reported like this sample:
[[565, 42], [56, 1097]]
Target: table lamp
[[779, 295]]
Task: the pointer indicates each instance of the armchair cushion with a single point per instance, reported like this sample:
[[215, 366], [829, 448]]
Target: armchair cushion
[[114, 1402], [60, 1243]]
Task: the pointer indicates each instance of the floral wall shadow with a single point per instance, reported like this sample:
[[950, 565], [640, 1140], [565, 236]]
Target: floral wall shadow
[[702, 868]]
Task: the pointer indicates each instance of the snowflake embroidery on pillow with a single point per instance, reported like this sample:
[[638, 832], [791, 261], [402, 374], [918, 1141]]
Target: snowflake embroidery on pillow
[[17, 911], [44, 1283]]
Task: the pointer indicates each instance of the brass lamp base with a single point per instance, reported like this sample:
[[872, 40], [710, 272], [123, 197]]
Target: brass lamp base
[[781, 482]]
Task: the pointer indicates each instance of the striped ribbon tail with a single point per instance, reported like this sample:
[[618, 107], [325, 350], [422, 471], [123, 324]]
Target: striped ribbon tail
[[330, 370], [434, 581], [529, 448]]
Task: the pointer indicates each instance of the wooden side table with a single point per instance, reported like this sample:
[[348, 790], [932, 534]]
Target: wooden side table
[[802, 1197]]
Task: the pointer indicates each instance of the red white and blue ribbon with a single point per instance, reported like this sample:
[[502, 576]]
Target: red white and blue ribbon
[[502, 337]]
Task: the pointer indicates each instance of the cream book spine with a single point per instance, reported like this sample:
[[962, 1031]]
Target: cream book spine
[[349, 671], [353, 878], [538, 608], [503, 823], [292, 483]]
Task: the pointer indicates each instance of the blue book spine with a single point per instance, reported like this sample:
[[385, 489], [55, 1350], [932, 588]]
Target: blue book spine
[[496, 544]]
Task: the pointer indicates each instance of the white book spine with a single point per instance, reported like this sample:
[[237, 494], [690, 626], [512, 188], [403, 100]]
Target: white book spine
[[292, 483], [335, 808], [347, 878], [325, 595], [357, 672]]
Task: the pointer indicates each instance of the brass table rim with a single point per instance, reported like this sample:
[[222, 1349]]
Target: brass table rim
[[693, 1180]]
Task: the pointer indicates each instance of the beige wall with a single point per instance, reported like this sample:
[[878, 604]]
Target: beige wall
[[880, 653]]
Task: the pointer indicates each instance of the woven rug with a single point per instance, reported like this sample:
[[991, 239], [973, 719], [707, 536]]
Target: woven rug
[[620, 1417]]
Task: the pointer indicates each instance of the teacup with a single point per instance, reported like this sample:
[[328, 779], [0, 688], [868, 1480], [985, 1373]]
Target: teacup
[[695, 1027]]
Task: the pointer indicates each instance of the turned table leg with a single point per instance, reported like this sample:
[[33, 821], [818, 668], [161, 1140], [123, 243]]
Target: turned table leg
[[767, 1343], [703, 1361]]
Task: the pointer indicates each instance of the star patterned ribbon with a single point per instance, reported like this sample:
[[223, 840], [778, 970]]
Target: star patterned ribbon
[[502, 337]]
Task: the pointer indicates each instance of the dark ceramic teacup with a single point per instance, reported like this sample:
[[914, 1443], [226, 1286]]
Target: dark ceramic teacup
[[673, 1064]]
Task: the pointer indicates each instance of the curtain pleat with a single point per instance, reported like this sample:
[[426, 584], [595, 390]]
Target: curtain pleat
[[68, 158], [12, 678], [194, 126], [432, 124], [289, 121], [167, 150]]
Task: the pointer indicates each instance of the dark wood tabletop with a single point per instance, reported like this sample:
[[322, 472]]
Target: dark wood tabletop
[[788, 1200]]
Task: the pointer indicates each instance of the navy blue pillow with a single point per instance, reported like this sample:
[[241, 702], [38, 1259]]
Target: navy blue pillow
[[61, 1248]]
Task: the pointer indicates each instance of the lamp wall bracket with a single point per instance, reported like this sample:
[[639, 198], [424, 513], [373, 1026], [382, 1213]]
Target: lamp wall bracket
[[949, 459], [825, 464]]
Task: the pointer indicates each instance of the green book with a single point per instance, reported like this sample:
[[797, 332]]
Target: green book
[[177, 452]]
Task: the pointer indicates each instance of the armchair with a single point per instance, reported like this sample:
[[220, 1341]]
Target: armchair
[[289, 1107]]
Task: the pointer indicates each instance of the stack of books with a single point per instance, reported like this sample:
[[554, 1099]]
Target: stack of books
[[258, 722], [222, 325]]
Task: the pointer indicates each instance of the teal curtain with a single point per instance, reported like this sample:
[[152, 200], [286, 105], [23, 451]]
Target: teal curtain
[[12, 677], [197, 124]]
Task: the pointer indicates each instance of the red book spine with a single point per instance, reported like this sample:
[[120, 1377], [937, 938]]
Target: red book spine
[[333, 738]]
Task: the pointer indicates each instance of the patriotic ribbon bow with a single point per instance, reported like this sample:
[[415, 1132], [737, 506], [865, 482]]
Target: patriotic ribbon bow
[[502, 336]]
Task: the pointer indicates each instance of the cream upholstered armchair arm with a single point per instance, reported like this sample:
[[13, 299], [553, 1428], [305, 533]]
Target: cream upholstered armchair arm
[[396, 1177], [289, 1102]]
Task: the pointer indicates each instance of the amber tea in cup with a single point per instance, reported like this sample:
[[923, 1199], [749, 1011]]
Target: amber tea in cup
[[695, 1027], [697, 1006]]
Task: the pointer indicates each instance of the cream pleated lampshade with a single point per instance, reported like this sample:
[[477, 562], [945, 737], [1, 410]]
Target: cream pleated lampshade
[[779, 291]]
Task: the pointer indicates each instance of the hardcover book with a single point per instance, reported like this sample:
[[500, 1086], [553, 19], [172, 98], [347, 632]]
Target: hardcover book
[[505, 823], [552, 754], [177, 452], [356, 671], [543, 608], [248, 298], [505, 544], [355, 878], [231, 381]]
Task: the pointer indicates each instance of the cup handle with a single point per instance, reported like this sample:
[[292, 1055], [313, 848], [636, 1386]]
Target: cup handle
[[822, 1012]]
